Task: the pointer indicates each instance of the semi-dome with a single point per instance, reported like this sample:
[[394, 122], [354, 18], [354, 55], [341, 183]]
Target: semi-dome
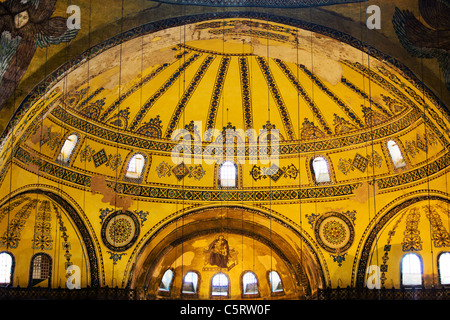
[[360, 137]]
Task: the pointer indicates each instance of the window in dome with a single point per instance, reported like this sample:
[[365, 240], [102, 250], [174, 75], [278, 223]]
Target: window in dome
[[320, 170], [444, 268], [249, 284], [275, 282], [411, 270], [228, 174], [396, 154], [219, 285], [41, 268], [67, 149], [190, 283], [6, 268], [166, 280], [135, 166]]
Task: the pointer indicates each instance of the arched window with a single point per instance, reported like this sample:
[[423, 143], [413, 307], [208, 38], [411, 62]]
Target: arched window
[[67, 149], [444, 268], [41, 269], [135, 166], [166, 280], [396, 154], [249, 284], [275, 282], [228, 174], [320, 170], [411, 270], [6, 268], [190, 283], [219, 285]]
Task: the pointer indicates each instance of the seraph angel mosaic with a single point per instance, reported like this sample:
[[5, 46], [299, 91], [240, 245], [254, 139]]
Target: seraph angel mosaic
[[26, 25], [429, 40]]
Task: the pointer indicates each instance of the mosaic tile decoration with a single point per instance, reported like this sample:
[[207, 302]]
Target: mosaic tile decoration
[[120, 230], [42, 239], [334, 232], [149, 103], [309, 101], [217, 93], [285, 148], [284, 112], [412, 240], [274, 172], [57, 75], [180, 171], [88, 154], [246, 93], [439, 235], [187, 95], [12, 235]]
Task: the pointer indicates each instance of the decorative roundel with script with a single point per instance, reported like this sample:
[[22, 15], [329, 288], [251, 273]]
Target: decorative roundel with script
[[120, 230], [334, 232]]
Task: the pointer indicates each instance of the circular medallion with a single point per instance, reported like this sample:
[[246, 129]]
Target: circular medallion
[[334, 232], [120, 230]]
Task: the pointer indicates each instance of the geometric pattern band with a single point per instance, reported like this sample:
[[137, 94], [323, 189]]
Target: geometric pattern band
[[71, 176]]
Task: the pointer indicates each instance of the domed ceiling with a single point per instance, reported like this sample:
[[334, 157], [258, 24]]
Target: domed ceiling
[[328, 95]]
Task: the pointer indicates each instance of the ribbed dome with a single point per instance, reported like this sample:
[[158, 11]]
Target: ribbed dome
[[239, 74]]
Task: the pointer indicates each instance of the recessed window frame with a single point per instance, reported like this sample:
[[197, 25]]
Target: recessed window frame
[[166, 292], [402, 280], [445, 254], [219, 296], [188, 294], [269, 280], [67, 160], [313, 169], [11, 269], [140, 177], [219, 173], [249, 295], [393, 156], [33, 271]]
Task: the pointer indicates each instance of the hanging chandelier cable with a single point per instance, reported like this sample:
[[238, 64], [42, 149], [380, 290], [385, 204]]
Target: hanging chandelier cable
[[116, 176], [193, 136]]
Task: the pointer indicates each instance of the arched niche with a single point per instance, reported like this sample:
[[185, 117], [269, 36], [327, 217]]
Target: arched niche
[[255, 240], [39, 213], [418, 224]]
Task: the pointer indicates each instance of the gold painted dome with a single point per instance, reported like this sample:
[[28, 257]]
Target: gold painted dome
[[95, 141]]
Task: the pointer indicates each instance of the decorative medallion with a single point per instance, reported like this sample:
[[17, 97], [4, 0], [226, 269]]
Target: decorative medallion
[[120, 230], [334, 232]]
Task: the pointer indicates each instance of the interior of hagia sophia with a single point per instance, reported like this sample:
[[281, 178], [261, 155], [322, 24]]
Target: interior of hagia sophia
[[118, 176]]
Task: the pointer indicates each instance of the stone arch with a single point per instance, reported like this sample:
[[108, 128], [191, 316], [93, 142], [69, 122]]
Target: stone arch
[[301, 258], [94, 273]]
